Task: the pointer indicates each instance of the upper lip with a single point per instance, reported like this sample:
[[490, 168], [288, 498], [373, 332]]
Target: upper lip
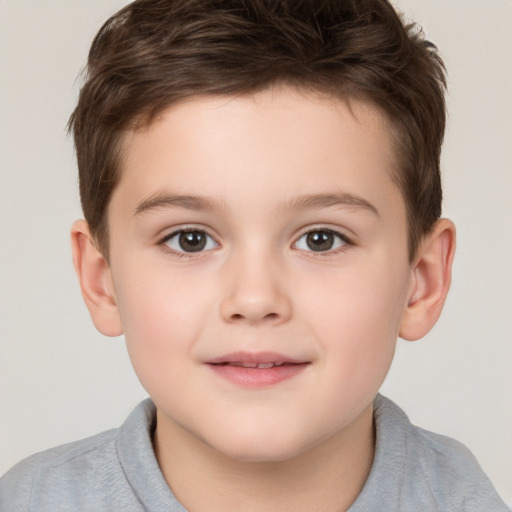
[[254, 358]]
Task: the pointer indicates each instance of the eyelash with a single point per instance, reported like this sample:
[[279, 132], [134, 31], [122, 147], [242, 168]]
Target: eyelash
[[345, 242], [183, 254]]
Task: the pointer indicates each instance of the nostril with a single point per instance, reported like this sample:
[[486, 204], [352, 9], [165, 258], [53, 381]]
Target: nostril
[[269, 316]]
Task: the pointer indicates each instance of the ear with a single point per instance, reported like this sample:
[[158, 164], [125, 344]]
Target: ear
[[431, 278], [95, 278]]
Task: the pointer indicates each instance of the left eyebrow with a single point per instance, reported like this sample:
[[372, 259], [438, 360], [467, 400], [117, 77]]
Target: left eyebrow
[[179, 201], [317, 201]]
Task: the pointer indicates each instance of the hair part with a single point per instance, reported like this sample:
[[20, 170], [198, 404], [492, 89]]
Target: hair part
[[154, 53]]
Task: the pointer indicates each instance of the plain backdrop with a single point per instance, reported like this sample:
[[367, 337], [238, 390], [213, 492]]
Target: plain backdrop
[[60, 380]]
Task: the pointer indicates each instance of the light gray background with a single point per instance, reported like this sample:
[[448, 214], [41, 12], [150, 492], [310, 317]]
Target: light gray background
[[60, 380]]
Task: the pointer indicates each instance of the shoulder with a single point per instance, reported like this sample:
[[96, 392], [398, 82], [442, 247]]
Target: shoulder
[[91, 474], [55, 468], [452, 472], [427, 471]]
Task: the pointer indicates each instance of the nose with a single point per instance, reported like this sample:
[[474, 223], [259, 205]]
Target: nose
[[257, 292]]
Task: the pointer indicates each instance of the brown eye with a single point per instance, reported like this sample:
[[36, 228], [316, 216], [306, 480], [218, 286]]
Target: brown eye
[[190, 241], [321, 240]]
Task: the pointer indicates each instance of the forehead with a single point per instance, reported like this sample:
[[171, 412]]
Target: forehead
[[276, 142]]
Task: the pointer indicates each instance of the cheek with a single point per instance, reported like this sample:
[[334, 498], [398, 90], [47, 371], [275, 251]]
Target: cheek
[[163, 315], [356, 300], [355, 316]]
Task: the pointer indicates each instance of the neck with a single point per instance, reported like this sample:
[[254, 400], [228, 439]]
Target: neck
[[328, 476]]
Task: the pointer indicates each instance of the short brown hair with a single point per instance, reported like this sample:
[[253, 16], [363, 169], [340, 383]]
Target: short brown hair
[[153, 53]]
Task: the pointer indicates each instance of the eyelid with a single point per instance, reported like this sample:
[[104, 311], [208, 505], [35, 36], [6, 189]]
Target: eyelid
[[162, 241], [347, 241]]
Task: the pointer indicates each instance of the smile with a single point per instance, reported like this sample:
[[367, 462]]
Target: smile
[[256, 370], [256, 365]]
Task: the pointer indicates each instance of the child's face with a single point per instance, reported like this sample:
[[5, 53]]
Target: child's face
[[296, 252]]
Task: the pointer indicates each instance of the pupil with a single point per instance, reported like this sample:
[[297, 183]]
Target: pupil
[[320, 240], [192, 241]]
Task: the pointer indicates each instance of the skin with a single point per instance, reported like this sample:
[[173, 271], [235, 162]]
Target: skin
[[256, 162]]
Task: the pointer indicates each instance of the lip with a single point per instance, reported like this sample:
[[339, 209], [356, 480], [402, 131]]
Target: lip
[[241, 368]]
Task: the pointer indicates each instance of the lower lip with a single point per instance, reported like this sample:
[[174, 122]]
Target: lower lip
[[258, 377]]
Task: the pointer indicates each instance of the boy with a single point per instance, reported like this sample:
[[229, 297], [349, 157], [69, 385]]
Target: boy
[[261, 187]]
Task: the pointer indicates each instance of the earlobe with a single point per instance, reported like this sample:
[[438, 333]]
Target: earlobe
[[431, 278], [95, 279]]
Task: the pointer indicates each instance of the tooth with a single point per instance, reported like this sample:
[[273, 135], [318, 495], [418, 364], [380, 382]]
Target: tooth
[[249, 365], [265, 365]]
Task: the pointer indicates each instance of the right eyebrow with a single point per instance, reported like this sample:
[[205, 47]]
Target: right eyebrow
[[180, 201]]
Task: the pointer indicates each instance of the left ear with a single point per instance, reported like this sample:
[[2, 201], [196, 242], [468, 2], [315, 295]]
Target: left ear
[[431, 278]]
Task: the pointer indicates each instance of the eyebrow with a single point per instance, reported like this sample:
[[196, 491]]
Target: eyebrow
[[301, 203], [180, 201], [317, 201]]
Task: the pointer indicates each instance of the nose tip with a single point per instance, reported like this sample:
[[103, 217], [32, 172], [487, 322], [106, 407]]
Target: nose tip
[[256, 296]]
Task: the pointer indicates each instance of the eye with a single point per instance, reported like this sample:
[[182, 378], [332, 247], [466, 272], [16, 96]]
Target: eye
[[190, 240], [321, 240]]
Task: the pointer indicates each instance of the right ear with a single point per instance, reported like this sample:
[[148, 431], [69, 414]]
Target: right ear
[[95, 279]]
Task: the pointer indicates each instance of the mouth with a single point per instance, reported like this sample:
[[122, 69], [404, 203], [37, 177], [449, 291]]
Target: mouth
[[256, 369], [245, 364]]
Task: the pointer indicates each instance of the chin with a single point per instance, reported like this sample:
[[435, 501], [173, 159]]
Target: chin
[[263, 448]]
